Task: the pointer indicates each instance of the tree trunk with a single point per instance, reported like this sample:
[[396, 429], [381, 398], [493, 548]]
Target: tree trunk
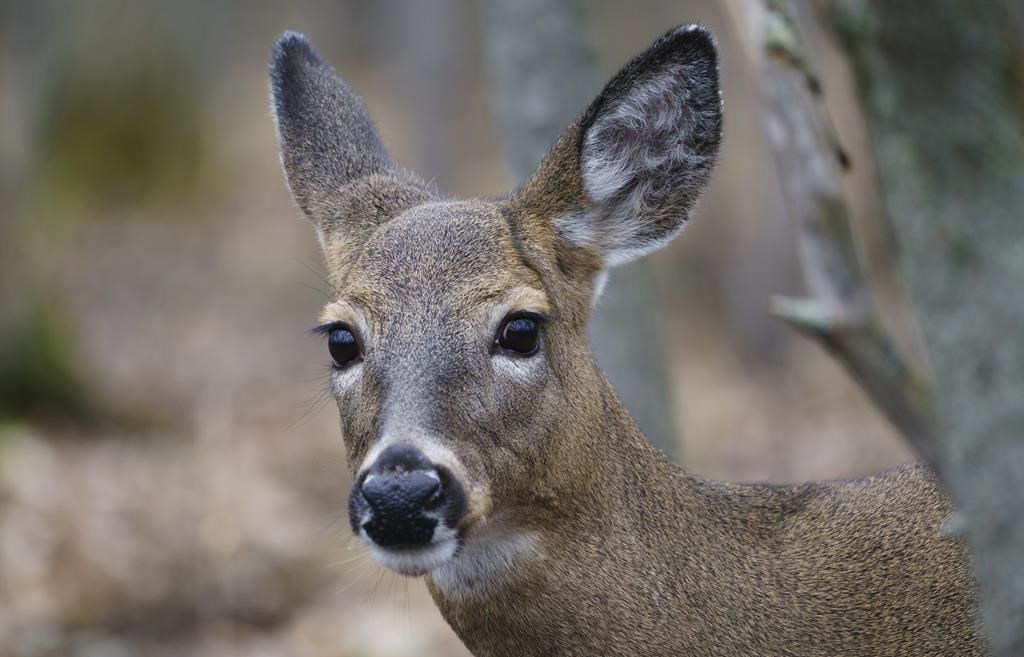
[[943, 92], [544, 73], [839, 310]]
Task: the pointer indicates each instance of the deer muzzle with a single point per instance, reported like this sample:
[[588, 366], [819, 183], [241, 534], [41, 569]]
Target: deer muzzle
[[407, 509]]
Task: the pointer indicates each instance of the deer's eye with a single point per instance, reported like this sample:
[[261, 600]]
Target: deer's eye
[[343, 346], [519, 335]]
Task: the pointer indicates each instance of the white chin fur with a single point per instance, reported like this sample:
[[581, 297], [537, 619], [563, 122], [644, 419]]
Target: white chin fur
[[486, 560], [419, 561]]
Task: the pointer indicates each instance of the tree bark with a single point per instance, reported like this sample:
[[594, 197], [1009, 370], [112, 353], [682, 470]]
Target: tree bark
[[840, 311], [943, 92], [544, 72]]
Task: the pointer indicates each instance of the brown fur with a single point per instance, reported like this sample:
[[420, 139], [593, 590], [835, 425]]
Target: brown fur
[[621, 552]]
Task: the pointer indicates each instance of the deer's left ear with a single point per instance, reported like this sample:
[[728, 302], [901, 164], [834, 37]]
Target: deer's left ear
[[641, 153]]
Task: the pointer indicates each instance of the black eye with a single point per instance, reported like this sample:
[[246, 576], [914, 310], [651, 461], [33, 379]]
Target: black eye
[[519, 335], [343, 346]]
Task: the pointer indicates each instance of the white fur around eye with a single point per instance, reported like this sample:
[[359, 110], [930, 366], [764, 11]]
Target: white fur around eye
[[344, 378], [529, 368]]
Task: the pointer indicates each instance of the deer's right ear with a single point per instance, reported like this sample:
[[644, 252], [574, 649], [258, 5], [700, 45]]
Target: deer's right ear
[[333, 158]]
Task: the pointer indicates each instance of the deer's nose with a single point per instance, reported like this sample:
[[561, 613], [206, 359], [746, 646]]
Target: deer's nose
[[402, 491]]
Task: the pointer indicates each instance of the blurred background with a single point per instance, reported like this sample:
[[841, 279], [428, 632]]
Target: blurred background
[[172, 479]]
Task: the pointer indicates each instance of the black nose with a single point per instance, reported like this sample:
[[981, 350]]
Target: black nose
[[401, 491], [400, 497]]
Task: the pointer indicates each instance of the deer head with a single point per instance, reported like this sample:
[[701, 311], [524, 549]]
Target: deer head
[[470, 403]]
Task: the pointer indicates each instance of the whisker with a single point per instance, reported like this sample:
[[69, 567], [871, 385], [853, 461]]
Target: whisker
[[405, 606], [376, 585], [359, 557], [334, 527], [319, 275], [314, 288], [324, 396], [348, 586]]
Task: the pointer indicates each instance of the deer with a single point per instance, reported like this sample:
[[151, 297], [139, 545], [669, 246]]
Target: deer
[[490, 456]]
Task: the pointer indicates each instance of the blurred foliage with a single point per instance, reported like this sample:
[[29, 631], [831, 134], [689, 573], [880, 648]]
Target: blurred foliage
[[38, 374], [122, 134], [116, 129]]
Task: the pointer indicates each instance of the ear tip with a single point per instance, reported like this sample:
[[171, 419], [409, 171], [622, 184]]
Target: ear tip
[[694, 31], [290, 48], [693, 37], [291, 41]]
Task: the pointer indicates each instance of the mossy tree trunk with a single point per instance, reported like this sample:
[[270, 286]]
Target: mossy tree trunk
[[943, 91]]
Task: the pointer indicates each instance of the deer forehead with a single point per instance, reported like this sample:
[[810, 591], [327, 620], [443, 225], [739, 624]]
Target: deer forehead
[[454, 260]]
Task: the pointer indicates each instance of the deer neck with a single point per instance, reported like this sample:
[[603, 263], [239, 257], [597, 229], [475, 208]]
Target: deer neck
[[599, 543]]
